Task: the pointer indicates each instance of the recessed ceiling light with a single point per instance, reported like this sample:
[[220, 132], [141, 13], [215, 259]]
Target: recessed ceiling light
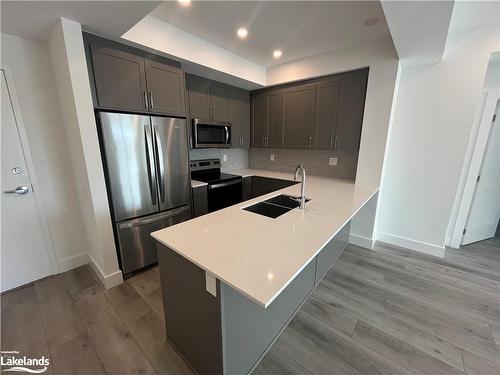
[[242, 32], [371, 21], [184, 3], [277, 54]]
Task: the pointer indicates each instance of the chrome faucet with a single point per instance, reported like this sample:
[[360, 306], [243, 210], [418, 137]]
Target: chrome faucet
[[302, 200]]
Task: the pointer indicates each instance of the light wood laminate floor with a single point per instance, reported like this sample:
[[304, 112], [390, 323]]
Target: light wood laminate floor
[[388, 311]]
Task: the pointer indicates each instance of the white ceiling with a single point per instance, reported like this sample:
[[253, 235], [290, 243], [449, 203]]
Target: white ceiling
[[299, 28], [34, 20]]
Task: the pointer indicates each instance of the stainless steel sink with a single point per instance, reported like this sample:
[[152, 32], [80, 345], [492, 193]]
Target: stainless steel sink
[[275, 206]]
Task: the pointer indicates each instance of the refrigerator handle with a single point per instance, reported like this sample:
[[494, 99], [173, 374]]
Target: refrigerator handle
[[161, 167], [150, 165]]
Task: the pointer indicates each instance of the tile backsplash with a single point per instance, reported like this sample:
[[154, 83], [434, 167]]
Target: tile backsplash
[[237, 158], [315, 161]]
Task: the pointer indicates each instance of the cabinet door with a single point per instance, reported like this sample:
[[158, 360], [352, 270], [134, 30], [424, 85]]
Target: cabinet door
[[298, 116], [120, 79], [166, 88], [351, 108], [219, 102], [199, 98], [234, 117], [274, 104], [245, 119], [327, 97], [259, 119]]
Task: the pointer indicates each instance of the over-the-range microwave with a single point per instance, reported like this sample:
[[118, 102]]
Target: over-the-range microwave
[[210, 133]]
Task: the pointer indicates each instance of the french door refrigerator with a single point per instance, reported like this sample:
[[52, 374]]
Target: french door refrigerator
[[147, 173]]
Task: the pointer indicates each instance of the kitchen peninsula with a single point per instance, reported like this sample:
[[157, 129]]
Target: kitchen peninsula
[[232, 279]]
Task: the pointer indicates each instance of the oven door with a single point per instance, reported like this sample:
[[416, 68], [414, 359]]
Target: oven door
[[224, 194], [208, 133]]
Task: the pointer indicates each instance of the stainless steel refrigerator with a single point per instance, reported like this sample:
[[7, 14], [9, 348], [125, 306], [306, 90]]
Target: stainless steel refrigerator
[[147, 173]]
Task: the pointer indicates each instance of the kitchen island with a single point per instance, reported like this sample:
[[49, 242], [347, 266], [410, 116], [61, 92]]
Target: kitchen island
[[232, 279]]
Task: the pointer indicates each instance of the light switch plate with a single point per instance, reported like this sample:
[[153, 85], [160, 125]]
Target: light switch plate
[[272, 157], [332, 161], [224, 157]]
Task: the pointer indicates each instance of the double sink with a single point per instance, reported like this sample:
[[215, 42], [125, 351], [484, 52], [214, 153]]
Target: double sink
[[275, 206]]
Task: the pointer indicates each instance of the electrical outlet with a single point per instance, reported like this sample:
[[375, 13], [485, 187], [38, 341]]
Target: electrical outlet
[[332, 161], [272, 157], [224, 157]]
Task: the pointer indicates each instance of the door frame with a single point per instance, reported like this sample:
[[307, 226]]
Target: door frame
[[473, 167], [48, 244]]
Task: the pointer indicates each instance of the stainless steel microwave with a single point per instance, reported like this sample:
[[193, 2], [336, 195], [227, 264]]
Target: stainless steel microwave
[[210, 133]]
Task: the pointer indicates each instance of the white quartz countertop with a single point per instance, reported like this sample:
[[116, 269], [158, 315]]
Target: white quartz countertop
[[259, 256]]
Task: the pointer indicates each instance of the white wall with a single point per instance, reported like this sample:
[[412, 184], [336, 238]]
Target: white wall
[[30, 64], [435, 108], [73, 86], [382, 59]]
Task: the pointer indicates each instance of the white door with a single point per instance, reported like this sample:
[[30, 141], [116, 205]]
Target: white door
[[24, 256], [485, 209]]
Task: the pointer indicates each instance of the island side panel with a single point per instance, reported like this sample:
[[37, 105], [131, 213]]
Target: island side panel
[[249, 329], [329, 254], [192, 315]]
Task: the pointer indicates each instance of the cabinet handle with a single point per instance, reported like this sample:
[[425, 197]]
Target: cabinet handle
[[336, 142], [263, 142], [265, 139], [310, 142], [151, 102], [146, 99], [331, 142]]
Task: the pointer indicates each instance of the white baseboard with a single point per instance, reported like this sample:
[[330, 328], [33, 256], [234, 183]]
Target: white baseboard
[[361, 241], [108, 281], [74, 261], [422, 247]]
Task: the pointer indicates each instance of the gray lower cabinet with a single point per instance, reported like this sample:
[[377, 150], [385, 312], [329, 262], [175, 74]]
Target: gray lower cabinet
[[228, 333], [200, 200]]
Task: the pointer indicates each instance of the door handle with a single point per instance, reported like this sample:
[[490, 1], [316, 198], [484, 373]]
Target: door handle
[[21, 190], [151, 102], [160, 161], [150, 164]]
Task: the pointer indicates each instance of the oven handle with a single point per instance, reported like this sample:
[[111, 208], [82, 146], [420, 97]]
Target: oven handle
[[224, 184]]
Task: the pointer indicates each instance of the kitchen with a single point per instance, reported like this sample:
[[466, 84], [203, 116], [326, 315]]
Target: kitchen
[[227, 187]]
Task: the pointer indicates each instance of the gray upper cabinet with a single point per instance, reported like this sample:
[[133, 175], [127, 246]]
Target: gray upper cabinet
[[324, 113], [165, 88], [120, 79], [126, 78], [207, 99], [274, 106], [259, 119], [219, 102], [199, 97], [298, 116], [327, 97], [245, 119], [351, 109], [239, 116]]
